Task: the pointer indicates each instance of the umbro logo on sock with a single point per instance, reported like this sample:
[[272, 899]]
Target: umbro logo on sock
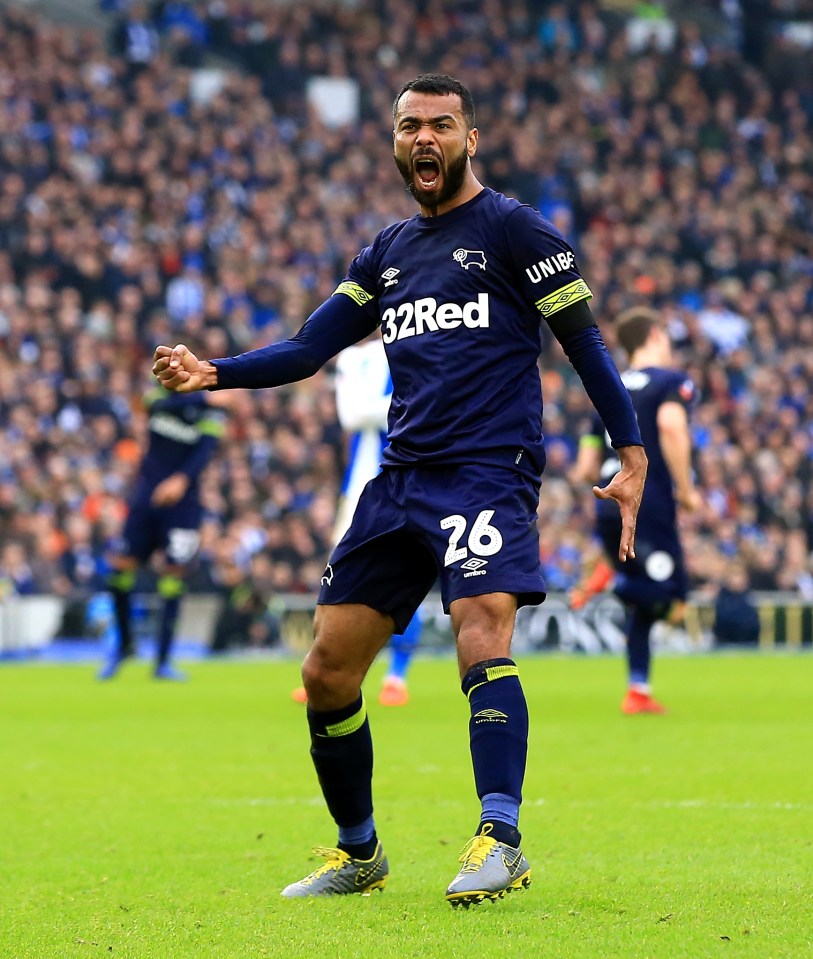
[[490, 716]]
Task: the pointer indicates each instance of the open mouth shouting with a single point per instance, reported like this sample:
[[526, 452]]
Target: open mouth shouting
[[430, 178], [427, 172]]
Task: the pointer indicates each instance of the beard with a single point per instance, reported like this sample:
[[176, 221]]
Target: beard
[[454, 175]]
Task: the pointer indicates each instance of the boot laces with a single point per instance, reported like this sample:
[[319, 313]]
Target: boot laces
[[477, 849], [334, 859]]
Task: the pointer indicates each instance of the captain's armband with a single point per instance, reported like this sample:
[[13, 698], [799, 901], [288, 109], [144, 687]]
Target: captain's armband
[[566, 296], [355, 292]]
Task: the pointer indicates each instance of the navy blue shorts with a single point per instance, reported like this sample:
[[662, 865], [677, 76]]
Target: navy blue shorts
[[171, 529], [657, 576], [472, 527]]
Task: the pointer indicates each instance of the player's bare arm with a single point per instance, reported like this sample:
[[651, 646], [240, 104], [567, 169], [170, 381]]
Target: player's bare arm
[[170, 490], [627, 488], [676, 446]]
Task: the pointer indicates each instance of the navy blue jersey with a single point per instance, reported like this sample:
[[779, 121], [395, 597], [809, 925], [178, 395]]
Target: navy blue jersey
[[649, 388], [459, 298], [183, 433]]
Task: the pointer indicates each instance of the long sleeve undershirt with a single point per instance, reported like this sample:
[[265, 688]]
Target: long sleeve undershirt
[[336, 324], [591, 360]]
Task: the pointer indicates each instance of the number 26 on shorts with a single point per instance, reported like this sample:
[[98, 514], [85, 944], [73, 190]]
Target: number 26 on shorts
[[484, 540]]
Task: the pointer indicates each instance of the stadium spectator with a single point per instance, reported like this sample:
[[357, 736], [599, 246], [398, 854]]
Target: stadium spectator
[[736, 620], [16, 576], [247, 617], [136, 39]]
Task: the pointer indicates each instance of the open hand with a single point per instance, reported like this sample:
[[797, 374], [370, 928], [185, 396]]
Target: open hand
[[627, 488]]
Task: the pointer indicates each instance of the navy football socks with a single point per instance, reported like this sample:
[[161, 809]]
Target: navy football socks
[[121, 584], [498, 733], [342, 752], [170, 589], [639, 626]]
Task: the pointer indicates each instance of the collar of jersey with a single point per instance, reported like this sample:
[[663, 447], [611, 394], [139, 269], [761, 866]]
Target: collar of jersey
[[435, 222]]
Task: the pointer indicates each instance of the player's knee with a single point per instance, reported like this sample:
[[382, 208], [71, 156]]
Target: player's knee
[[326, 676], [491, 614]]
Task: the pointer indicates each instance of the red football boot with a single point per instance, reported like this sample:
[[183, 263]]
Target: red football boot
[[637, 702]]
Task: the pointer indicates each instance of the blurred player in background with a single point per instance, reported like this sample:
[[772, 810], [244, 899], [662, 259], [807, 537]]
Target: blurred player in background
[[164, 517], [653, 585], [363, 394], [459, 291]]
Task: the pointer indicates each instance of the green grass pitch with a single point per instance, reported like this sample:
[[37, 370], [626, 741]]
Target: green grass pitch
[[153, 821]]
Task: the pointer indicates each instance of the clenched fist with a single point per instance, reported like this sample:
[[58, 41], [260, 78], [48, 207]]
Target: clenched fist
[[178, 370]]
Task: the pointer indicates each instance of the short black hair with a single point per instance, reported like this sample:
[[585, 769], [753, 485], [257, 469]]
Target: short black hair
[[633, 326], [438, 84]]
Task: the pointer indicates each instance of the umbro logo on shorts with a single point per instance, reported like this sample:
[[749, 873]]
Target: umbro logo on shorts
[[474, 567]]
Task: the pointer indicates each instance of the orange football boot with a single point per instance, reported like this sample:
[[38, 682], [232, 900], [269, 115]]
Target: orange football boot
[[393, 692], [637, 702]]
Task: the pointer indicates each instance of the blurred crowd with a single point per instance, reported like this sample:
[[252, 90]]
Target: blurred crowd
[[143, 201]]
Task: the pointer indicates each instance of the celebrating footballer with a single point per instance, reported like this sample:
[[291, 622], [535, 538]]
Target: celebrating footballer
[[460, 291]]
